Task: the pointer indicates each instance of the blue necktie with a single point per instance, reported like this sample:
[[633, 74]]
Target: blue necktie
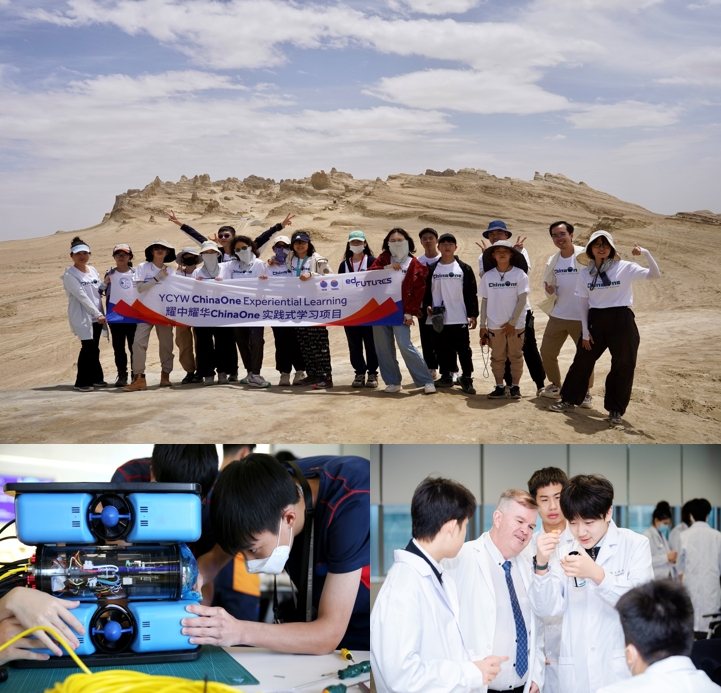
[[521, 635]]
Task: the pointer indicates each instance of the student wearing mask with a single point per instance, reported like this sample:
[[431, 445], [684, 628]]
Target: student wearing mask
[[451, 303], [249, 340], [85, 313], [493, 581], [304, 262], [264, 509], [585, 582], [605, 290], [700, 565], [674, 538], [398, 249], [504, 293], [431, 254], [417, 642], [561, 305], [664, 560], [657, 622], [359, 258], [288, 355], [185, 337]]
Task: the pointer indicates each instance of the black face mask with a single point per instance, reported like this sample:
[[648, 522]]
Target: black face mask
[[189, 260]]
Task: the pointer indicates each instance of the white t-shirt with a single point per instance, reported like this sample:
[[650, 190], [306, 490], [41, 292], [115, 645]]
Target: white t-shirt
[[567, 306], [90, 283], [425, 260], [299, 266], [279, 271], [234, 270], [147, 271], [447, 290], [404, 265], [353, 265], [524, 252], [502, 291], [622, 274], [115, 278]]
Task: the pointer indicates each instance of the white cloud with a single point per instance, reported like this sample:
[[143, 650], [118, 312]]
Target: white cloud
[[698, 67], [625, 114], [554, 138], [470, 91], [441, 6], [600, 5]]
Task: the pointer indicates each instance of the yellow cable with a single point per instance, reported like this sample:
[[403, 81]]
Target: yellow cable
[[15, 570], [120, 680]]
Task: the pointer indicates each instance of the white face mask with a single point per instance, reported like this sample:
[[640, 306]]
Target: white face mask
[[245, 255], [399, 249], [273, 564], [356, 249], [210, 261]]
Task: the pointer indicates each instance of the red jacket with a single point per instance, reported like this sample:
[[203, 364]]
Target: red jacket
[[414, 283]]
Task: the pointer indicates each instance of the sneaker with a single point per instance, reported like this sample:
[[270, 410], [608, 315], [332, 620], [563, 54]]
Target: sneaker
[[615, 418], [562, 406], [284, 380], [515, 392], [550, 390], [233, 377], [222, 378], [372, 380], [455, 377], [257, 380], [393, 388], [189, 378], [121, 380], [308, 380], [83, 388], [359, 381], [197, 378], [299, 377], [433, 373], [467, 385], [445, 381], [101, 383], [245, 381], [499, 392], [429, 389], [587, 402], [209, 380], [324, 383]]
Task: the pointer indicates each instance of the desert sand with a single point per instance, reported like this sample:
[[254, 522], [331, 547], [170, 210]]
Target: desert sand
[[677, 390]]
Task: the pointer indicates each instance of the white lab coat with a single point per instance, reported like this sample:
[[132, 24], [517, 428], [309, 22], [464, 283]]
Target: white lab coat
[[670, 675], [592, 642], [477, 599], [662, 567], [700, 563], [416, 641], [674, 538]]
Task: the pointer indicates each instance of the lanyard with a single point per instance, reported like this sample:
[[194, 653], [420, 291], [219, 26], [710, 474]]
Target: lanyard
[[298, 270]]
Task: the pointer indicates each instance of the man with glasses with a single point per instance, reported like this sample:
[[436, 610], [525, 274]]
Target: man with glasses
[[562, 306]]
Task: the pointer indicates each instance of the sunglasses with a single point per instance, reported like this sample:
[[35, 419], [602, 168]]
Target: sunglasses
[[224, 235]]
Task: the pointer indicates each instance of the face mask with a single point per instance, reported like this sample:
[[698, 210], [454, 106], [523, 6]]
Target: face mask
[[399, 249], [273, 564], [357, 249], [280, 255], [664, 530], [211, 263], [245, 255], [189, 260]]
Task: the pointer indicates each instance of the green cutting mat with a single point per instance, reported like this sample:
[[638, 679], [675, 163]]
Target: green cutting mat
[[214, 661]]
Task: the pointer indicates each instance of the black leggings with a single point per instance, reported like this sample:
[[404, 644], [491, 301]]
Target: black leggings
[[316, 350], [120, 333], [89, 369]]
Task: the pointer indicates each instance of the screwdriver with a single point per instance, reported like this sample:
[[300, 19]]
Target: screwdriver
[[347, 654]]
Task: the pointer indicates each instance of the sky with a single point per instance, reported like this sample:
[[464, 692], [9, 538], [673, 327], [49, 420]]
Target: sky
[[98, 96]]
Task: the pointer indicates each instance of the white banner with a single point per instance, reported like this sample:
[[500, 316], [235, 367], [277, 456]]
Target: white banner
[[363, 298]]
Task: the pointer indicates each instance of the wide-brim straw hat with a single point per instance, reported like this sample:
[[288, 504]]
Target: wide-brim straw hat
[[517, 258]]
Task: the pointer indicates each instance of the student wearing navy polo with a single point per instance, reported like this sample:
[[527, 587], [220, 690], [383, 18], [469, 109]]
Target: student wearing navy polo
[[258, 511]]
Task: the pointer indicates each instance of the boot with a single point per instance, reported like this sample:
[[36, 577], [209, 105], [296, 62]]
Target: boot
[[165, 379], [138, 383]]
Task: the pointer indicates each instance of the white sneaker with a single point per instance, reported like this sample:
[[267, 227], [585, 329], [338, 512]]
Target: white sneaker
[[393, 388], [209, 380], [257, 380], [299, 375], [455, 377], [284, 380], [222, 378], [429, 388], [550, 390], [587, 402]]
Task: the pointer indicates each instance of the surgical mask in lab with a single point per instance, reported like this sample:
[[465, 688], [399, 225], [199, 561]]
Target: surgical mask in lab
[[245, 255], [273, 564], [211, 263], [664, 530], [399, 249]]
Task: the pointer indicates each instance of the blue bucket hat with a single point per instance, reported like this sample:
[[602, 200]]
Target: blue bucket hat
[[496, 225]]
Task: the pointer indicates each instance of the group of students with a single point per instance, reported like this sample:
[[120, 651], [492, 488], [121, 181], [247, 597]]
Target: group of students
[[588, 296], [572, 608]]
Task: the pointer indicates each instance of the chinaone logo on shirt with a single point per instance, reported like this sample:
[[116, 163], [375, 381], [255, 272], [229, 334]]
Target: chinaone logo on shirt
[[449, 275], [600, 285], [501, 285], [572, 270]]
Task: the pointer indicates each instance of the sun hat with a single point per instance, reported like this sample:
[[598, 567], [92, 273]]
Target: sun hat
[[517, 259], [496, 225], [170, 257], [210, 245]]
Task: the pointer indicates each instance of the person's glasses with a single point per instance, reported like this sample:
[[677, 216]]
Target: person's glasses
[[224, 235], [121, 254]]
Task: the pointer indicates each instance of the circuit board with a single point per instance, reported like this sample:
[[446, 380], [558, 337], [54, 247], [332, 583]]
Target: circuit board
[[215, 663]]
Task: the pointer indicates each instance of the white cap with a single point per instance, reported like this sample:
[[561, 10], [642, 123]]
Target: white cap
[[281, 239], [210, 245]]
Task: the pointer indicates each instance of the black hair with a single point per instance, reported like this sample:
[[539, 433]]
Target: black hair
[[248, 499], [294, 238], [662, 511], [236, 448], [700, 509], [586, 496], [227, 228], [285, 456], [404, 233], [428, 229], [589, 251], [686, 512], [657, 619], [437, 501], [349, 253], [188, 464], [76, 241], [568, 226], [130, 263], [245, 239], [545, 477]]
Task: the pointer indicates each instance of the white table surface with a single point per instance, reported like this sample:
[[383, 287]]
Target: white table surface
[[278, 671]]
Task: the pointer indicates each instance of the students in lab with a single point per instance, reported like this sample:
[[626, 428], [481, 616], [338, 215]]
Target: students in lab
[[674, 538], [700, 565], [493, 580], [266, 510], [657, 622], [584, 584], [663, 558], [545, 486], [416, 639]]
